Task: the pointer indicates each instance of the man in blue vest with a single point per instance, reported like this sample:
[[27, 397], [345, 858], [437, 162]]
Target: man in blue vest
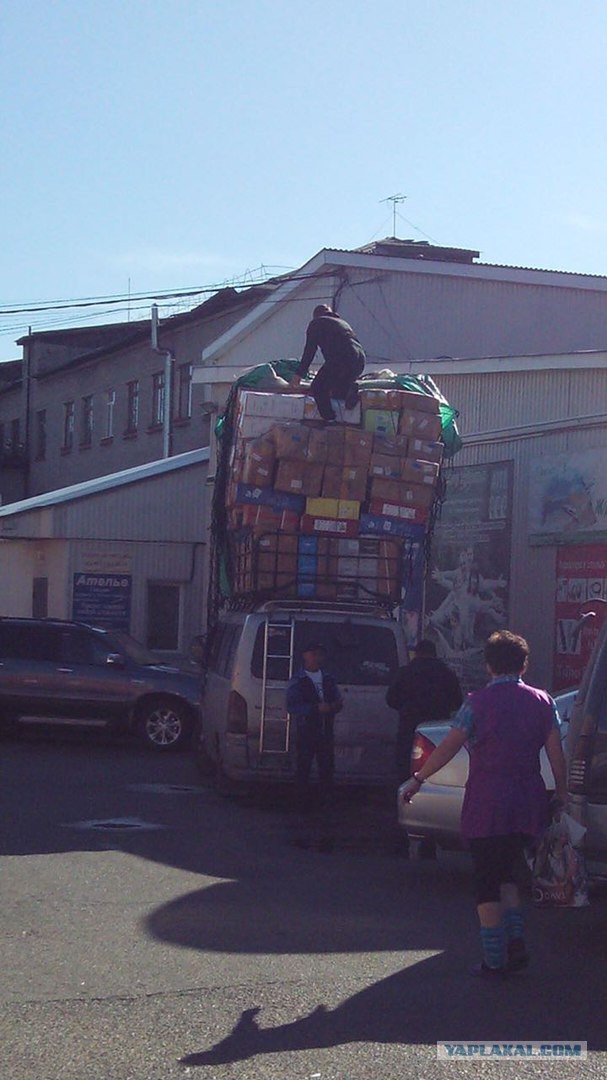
[[313, 699]]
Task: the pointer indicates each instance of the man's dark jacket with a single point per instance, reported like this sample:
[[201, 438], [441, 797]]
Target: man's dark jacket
[[303, 702], [426, 689], [337, 342]]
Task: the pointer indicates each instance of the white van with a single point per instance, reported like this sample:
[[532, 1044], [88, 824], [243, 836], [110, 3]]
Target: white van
[[246, 730]]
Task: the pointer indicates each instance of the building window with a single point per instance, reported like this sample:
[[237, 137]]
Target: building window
[[40, 598], [41, 435], [158, 398], [132, 406], [86, 434], [184, 401], [15, 432], [163, 616], [110, 401], [68, 425]]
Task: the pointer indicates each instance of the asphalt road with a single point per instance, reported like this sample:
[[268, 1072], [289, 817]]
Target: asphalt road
[[152, 930]]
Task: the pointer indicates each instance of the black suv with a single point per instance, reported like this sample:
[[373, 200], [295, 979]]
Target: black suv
[[58, 672]]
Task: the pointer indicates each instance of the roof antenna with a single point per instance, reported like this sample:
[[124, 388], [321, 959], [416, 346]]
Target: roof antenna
[[394, 199]]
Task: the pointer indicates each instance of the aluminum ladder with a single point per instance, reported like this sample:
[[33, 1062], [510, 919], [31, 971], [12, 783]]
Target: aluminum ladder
[[275, 724]]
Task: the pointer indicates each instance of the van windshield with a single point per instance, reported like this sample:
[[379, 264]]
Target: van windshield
[[358, 654]]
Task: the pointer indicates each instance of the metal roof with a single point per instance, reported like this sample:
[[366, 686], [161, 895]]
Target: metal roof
[[107, 483]]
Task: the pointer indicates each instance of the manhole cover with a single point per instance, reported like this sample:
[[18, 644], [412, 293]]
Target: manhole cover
[[114, 825]]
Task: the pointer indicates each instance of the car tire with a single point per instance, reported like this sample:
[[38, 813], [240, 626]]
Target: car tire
[[164, 725]]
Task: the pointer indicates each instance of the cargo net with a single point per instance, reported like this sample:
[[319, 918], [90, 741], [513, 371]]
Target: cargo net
[[289, 567], [304, 512]]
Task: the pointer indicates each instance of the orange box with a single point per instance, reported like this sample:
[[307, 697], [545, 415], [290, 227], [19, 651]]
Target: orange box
[[384, 400], [387, 466], [396, 491], [395, 445], [419, 472], [290, 441], [257, 462], [358, 446], [409, 400], [299, 478], [414, 515], [276, 562], [345, 484], [426, 451], [420, 425]]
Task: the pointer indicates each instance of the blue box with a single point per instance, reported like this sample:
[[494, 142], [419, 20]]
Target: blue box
[[308, 545], [307, 565], [376, 525], [277, 500], [306, 590]]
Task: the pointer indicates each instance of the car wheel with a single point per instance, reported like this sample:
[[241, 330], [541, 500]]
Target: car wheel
[[163, 724]]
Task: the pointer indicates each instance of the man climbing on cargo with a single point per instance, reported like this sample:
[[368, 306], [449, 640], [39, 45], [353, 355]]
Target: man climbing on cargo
[[313, 699], [344, 361]]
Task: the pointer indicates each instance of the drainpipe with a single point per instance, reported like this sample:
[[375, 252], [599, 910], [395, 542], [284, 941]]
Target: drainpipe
[[168, 385]]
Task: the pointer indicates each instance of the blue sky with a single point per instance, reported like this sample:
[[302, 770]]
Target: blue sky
[[152, 145]]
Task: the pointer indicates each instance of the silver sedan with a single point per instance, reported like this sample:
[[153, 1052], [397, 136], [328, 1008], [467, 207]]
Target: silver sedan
[[434, 812]]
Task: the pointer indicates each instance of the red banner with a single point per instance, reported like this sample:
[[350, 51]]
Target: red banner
[[581, 591]]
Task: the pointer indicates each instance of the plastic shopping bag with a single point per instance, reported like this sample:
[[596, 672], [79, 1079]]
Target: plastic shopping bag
[[559, 872]]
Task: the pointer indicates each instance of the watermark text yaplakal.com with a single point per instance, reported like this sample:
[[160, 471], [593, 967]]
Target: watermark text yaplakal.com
[[504, 1051]]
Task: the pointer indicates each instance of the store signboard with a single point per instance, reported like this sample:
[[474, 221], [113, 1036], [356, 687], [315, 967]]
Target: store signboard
[[581, 579], [102, 590]]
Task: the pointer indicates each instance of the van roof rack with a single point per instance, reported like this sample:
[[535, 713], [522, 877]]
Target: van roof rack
[[341, 607]]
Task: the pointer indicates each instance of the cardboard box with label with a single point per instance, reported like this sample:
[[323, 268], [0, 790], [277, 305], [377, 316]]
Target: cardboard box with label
[[256, 463], [358, 446], [417, 515], [280, 406], [328, 526], [381, 421], [420, 425], [395, 445], [426, 451], [387, 466], [347, 484], [419, 472], [299, 478], [252, 495], [373, 524], [290, 441], [397, 491]]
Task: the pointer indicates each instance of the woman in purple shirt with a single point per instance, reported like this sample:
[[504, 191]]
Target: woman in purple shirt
[[505, 724]]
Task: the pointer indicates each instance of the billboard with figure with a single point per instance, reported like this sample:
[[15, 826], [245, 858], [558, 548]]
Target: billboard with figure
[[469, 574]]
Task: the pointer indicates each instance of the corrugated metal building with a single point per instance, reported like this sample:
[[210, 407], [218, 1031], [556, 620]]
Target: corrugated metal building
[[126, 550]]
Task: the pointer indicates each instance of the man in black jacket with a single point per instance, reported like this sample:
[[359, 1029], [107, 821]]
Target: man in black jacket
[[426, 689], [344, 359]]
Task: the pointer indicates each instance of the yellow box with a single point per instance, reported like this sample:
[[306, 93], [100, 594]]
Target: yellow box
[[326, 508], [347, 510]]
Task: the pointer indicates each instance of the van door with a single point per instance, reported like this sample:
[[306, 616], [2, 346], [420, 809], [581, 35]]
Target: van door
[[586, 750], [363, 655]]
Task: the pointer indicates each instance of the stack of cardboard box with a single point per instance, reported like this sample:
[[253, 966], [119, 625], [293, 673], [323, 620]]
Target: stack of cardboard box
[[321, 510]]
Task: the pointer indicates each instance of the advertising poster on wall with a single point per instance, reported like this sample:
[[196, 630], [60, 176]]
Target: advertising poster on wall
[[581, 578], [467, 588], [568, 498], [102, 591]]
